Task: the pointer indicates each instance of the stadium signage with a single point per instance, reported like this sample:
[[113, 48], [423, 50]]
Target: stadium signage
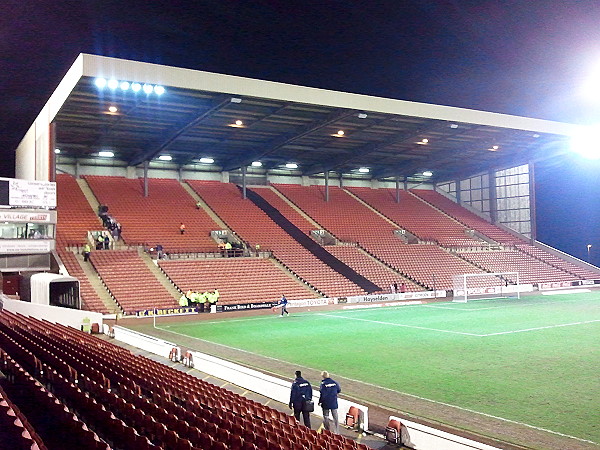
[[166, 311], [20, 246], [8, 216], [391, 297], [27, 193], [247, 306], [310, 302], [566, 284]]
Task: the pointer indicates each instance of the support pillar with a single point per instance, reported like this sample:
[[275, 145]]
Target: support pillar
[[397, 189], [493, 197], [326, 186], [244, 182], [532, 206], [458, 199], [146, 164]]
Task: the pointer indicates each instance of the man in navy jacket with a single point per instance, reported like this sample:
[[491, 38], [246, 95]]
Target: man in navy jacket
[[301, 391], [329, 401]]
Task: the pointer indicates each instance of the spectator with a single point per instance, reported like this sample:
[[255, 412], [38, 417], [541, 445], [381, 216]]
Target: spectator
[[257, 247], [329, 402], [99, 241], [301, 391], [182, 228], [403, 288], [106, 242], [228, 249], [159, 251], [86, 252]]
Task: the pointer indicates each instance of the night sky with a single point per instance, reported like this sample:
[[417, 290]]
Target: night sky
[[527, 57]]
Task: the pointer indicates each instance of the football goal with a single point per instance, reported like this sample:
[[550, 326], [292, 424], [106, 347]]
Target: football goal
[[471, 286]]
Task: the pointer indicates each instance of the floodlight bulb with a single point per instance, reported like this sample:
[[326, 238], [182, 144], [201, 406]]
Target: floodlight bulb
[[364, 170], [427, 173], [106, 154], [124, 85], [586, 142], [113, 84], [256, 164], [136, 87], [113, 109], [207, 160], [159, 90], [425, 141], [165, 157], [57, 150], [291, 165], [148, 88], [100, 82], [239, 123], [340, 132]]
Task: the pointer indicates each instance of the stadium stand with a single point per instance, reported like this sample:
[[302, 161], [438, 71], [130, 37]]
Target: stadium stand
[[130, 281], [129, 401], [155, 219], [75, 219], [358, 260], [418, 217], [239, 280], [531, 270], [466, 217], [428, 265], [255, 227], [543, 255]]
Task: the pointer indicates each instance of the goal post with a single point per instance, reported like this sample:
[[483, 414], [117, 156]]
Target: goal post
[[471, 286]]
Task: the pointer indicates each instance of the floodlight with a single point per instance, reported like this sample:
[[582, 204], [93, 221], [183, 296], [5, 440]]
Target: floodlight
[[364, 170], [112, 84], [135, 87], [207, 160], [106, 154], [124, 85], [291, 165], [239, 123], [57, 150], [159, 90], [165, 157], [148, 88], [427, 173], [362, 116], [586, 142], [100, 82], [113, 109], [256, 164]]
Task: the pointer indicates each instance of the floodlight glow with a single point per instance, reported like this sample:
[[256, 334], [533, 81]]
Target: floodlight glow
[[124, 85], [148, 88], [159, 90], [427, 173], [112, 84], [587, 142], [364, 170], [165, 157], [100, 83], [106, 154], [135, 87], [256, 164], [207, 160], [291, 165]]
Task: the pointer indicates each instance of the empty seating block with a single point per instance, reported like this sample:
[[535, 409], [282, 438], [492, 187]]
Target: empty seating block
[[155, 219], [239, 280], [130, 281]]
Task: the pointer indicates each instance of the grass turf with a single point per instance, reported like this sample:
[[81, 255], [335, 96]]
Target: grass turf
[[533, 360]]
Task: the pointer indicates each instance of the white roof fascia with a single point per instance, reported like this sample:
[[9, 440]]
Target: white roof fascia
[[120, 69]]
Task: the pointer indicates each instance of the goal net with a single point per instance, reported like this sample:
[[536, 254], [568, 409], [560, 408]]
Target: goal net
[[471, 286]]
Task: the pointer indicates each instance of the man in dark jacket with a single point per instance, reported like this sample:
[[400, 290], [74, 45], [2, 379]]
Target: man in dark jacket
[[301, 391], [329, 401]]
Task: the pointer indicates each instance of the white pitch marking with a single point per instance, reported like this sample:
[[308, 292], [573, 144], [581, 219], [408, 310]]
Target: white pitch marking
[[403, 393], [401, 325], [541, 328]]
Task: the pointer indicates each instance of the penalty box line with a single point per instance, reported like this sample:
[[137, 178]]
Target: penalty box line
[[393, 390]]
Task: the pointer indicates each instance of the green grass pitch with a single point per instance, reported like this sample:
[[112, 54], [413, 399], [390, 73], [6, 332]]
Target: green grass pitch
[[535, 360]]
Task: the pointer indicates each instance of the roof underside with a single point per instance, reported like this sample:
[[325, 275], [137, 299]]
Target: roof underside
[[188, 124]]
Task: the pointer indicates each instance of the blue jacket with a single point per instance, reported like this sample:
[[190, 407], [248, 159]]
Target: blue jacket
[[329, 392], [301, 390]]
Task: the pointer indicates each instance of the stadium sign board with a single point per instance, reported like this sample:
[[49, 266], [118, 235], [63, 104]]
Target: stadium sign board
[[16, 193]]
